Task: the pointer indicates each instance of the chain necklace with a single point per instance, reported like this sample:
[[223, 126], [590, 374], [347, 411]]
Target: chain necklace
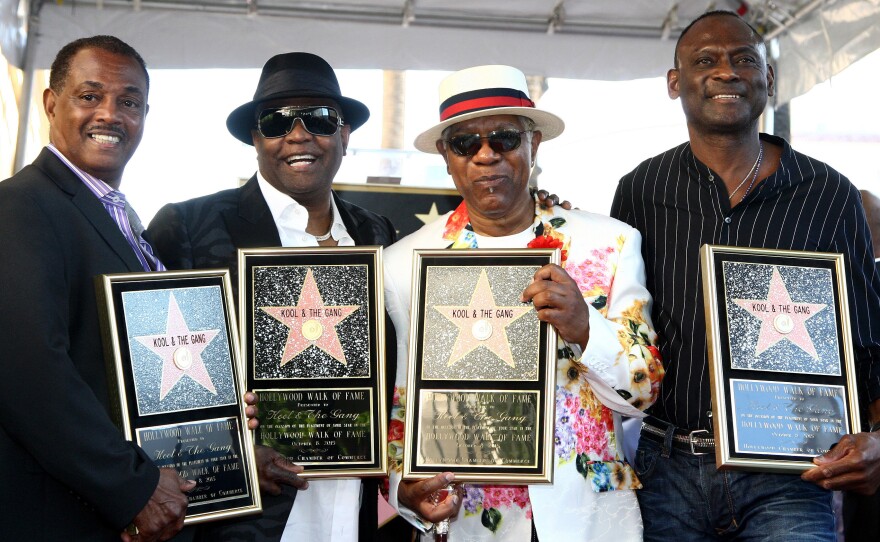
[[324, 237], [753, 173]]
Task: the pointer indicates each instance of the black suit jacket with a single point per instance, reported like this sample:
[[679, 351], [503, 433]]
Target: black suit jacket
[[205, 233], [66, 472]]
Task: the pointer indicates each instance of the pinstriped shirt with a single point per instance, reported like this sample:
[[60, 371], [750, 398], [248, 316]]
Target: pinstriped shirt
[[679, 204], [120, 211]]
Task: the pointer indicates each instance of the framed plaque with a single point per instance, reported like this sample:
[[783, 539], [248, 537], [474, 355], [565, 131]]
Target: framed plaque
[[172, 351], [313, 326], [780, 356], [481, 369]]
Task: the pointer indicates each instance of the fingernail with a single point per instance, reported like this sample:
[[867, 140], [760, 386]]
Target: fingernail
[[449, 478]]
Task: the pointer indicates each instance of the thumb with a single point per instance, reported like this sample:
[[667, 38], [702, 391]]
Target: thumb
[[834, 454], [186, 485]]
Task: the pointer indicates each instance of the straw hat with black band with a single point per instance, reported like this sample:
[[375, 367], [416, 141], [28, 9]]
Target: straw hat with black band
[[484, 91]]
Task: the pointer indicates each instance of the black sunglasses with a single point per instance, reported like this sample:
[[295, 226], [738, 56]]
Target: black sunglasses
[[279, 121], [499, 141]]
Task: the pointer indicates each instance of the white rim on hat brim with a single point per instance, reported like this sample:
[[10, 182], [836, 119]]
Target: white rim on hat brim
[[547, 123]]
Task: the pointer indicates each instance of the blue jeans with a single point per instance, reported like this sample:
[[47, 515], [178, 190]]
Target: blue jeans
[[685, 498]]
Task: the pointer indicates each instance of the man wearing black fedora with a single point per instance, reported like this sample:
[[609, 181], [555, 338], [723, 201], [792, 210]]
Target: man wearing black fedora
[[299, 123]]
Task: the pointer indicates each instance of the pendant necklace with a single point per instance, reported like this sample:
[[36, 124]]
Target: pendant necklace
[[753, 173]]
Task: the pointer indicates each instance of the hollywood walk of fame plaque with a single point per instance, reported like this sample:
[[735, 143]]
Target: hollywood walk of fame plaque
[[482, 367], [172, 351], [312, 327], [780, 356]]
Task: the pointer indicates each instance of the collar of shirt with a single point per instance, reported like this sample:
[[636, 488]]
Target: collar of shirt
[[98, 187], [291, 218]]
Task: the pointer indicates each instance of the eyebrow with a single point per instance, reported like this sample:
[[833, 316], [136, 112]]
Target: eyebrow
[[130, 89]]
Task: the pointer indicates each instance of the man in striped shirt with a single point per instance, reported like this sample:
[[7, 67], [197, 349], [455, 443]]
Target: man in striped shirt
[[731, 185], [66, 470]]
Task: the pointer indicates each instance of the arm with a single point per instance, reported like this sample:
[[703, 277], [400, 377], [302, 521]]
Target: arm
[[854, 462], [170, 239], [51, 347], [614, 330]]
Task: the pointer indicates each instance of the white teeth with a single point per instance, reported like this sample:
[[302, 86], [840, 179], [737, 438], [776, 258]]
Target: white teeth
[[301, 158], [100, 138], [726, 96]]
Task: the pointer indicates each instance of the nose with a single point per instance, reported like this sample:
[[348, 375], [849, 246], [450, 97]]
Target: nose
[[486, 154], [108, 112], [298, 133], [726, 70]]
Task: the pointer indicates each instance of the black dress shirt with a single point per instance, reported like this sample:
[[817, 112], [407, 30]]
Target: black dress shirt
[[679, 204]]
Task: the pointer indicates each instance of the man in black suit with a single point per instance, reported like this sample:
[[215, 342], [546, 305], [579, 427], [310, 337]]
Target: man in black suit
[[299, 124], [67, 472]]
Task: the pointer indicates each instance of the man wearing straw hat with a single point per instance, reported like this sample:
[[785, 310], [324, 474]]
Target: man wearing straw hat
[[299, 124], [596, 300]]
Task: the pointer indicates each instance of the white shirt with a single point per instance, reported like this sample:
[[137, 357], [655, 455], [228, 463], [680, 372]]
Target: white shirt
[[328, 510], [291, 218]]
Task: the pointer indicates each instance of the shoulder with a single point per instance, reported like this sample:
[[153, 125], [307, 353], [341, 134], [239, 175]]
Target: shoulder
[[383, 231], [429, 236], [359, 212], [593, 225], [198, 209], [646, 171]]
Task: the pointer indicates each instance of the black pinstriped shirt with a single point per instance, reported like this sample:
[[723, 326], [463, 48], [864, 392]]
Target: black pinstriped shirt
[[805, 205]]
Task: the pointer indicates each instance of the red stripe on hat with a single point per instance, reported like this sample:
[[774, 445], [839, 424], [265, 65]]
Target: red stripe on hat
[[484, 103]]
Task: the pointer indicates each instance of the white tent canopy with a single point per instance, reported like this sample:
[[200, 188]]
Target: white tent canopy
[[595, 39]]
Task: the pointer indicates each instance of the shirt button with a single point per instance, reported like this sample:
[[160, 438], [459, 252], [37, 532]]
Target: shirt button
[[303, 238], [709, 413], [727, 220]]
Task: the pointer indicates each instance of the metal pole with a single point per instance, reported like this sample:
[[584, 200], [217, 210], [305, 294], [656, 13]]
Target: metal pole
[[27, 85]]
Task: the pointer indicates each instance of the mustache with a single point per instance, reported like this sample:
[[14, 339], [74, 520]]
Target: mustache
[[107, 128]]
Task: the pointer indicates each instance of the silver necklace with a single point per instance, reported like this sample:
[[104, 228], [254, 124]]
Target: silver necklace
[[324, 237], [755, 167]]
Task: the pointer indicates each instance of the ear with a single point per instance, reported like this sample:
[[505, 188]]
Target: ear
[[49, 100], [344, 133], [536, 140], [771, 81], [672, 83], [441, 148]]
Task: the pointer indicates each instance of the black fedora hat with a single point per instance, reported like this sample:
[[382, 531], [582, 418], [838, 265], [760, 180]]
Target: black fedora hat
[[295, 75]]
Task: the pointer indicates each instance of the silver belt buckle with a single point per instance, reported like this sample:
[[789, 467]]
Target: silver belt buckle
[[691, 436]]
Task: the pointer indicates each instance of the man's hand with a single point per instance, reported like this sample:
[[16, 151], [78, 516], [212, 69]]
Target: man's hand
[[547, 200], [559, 302], [429, 498], [275, 470], [852, 465], [251, 410], [162, 517]]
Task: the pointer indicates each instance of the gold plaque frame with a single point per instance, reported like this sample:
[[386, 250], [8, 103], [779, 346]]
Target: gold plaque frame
[[481, 374], [171, 345], [780, 356], [323, 402]]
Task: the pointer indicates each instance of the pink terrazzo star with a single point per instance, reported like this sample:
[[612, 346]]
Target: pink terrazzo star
[[311, 322], [781, 318], [180, 350], [482, 323]]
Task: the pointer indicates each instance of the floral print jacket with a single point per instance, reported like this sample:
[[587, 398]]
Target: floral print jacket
[[619, 373]]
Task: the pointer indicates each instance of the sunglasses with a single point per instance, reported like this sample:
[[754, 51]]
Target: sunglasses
[[279, 121], [499, 141]]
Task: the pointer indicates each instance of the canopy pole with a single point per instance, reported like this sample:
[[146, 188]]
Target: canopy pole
[[27, 85]]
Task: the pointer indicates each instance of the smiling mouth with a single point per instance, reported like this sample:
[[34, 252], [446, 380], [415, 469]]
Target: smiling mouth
[[301, 159], [106, 139], [726, 97]]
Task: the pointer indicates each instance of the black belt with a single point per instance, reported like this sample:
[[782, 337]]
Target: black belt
[[698, 442]]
